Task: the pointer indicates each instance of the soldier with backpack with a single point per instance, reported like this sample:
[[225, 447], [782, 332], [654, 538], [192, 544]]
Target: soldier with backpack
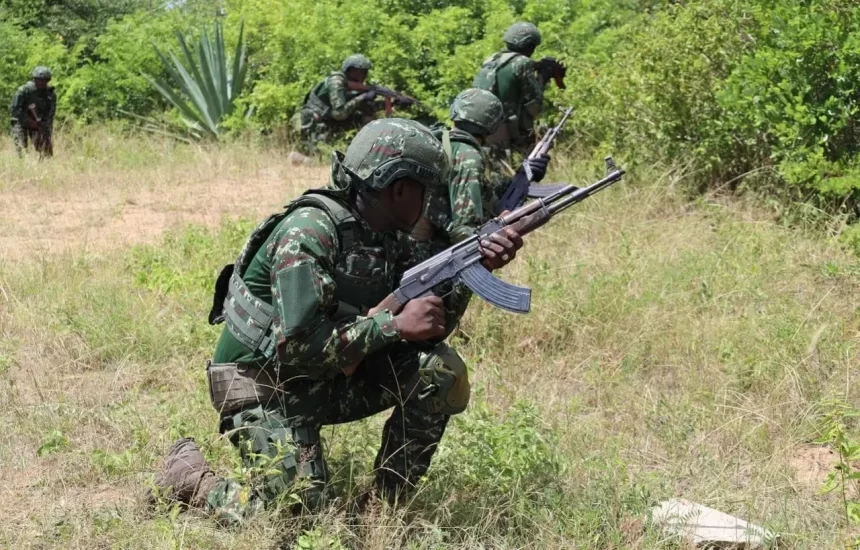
[[467, 200], [332, 107], [513, 77]]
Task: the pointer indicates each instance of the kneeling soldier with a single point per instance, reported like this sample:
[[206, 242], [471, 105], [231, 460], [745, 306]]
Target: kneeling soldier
[[305, 344]]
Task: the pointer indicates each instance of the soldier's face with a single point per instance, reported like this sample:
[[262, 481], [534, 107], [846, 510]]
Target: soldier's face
[[41, 83], [356, 75], [406, 203]]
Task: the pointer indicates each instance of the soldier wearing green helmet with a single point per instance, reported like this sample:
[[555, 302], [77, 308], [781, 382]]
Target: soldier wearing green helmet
[[512, 76], [32, 113], [306, 343], [454, 211], [331, 107]]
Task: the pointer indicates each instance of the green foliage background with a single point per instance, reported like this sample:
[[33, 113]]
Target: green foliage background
[[760, 94]]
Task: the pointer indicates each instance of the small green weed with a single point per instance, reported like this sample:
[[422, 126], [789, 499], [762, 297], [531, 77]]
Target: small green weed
[[54, 443], [845, 477]]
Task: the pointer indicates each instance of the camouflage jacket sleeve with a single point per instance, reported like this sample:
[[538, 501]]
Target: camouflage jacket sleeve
[[530, 87], [309, 342], [18, 108], [342, 108], [466, 184]]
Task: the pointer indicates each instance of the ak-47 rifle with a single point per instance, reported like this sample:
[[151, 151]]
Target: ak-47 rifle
[[43, 142], [518, 189], [550, 67], [390, 96], [462, 262]]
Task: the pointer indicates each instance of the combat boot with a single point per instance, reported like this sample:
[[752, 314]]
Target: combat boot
[[185, 476]]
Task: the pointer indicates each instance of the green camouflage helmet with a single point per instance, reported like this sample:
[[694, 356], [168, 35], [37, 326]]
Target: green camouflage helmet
[[356, 61], [522, 36], [479, 109], [387, 150], [42, 73]]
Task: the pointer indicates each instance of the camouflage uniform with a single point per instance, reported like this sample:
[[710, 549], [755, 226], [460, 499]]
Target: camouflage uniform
[[317, 271], [24, 126], [512, 76], [455, 210], [331, 108]]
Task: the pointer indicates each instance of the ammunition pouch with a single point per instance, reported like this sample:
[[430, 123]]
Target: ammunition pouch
[[233, 387]]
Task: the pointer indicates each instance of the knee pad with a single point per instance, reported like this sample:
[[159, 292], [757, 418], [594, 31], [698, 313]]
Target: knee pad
[[443, 381]]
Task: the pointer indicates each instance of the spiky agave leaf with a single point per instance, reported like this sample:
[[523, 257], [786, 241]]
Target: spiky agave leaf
[[208, 83]]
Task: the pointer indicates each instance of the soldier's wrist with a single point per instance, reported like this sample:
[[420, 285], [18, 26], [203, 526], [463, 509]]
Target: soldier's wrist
[[384, 319]]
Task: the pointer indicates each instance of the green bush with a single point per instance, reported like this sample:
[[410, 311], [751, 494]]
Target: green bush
[[761, 95]]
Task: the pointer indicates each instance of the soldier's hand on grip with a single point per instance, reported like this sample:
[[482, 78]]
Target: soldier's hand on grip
[[538, 166], [421, 319], [501, 248]]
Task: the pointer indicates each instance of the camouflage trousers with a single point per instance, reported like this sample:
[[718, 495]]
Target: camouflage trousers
[[281, 439], [42, 139]]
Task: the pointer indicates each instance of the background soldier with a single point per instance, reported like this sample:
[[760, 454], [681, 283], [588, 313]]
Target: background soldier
[[331, 107], [512, 77], [455, 210], [468, 199], [306, 345], [32, 111]]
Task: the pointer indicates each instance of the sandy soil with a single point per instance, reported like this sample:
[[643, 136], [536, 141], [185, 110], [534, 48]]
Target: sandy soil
[[137, 208]]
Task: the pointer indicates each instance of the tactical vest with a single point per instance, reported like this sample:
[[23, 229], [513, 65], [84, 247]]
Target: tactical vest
[[249, 319], [318, 99], [43, 99], [488, 78]]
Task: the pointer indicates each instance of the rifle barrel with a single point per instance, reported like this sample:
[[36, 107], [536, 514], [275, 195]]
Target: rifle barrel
[[563, 200]]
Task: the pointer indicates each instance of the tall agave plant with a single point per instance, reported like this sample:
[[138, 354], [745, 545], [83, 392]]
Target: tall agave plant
[[209, 85]]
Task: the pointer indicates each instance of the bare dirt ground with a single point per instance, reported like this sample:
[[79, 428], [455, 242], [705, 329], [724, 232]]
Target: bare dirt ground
[[138, 207]]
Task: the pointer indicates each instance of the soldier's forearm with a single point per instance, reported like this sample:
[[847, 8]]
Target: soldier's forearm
[[343, 112], [331, 348]]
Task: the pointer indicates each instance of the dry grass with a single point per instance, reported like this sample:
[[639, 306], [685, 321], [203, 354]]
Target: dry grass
[[105, 192], [675, 348]]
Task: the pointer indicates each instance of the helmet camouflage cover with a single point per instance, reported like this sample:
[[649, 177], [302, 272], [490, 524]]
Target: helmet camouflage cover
[[480, 109], [387, 150], [356, 61], [41, 72], [522, 36]]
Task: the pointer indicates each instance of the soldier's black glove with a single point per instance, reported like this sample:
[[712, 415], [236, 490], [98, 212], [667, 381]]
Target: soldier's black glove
[[538, 166]]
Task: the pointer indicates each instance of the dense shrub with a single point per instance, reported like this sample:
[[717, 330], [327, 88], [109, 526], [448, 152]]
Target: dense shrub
[[762, 94]]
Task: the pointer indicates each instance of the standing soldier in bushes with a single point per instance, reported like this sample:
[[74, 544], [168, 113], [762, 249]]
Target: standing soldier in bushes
[[306, 343], [331, 107], [512, 76], [32, 111]]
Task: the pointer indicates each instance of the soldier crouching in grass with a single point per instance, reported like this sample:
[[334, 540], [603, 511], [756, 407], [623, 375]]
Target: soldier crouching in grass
[[306, 345], [332, 108], [32, 111]]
